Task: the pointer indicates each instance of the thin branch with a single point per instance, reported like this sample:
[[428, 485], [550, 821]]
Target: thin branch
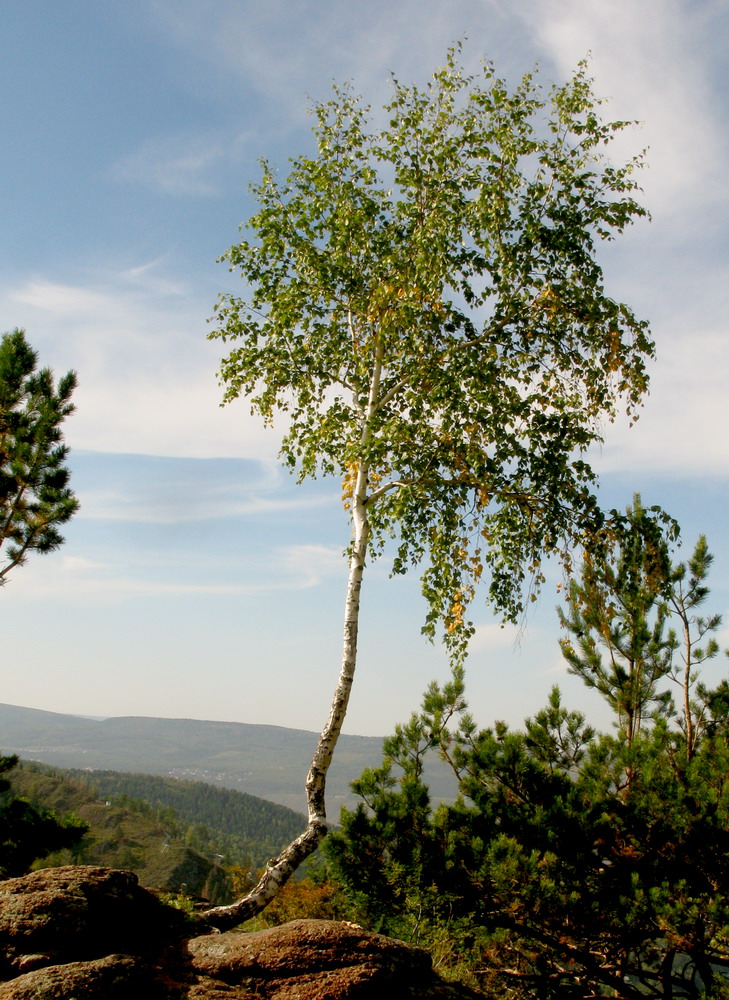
[[386, 487]]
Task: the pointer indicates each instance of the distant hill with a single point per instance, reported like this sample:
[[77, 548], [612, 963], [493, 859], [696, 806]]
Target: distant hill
[[121, 836], [269, 762]]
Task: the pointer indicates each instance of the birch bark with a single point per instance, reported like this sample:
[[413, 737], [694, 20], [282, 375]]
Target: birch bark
[[279, 870]]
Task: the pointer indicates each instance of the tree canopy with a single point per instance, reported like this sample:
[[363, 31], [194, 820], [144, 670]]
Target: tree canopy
[[35, 497], [425, 307]]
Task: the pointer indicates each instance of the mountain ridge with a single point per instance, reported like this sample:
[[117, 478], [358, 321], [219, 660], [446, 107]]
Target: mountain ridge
[[270, 762]]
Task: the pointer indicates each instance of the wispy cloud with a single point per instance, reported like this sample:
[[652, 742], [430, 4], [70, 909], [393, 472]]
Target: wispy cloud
[[188, 507], [137, 336], [555, 667], [64, 300], [494, 636], [311, 564], [255, 43], [178, 165], [682, 427], [95, 591], [81, 580], [152, 278], [648, 59]]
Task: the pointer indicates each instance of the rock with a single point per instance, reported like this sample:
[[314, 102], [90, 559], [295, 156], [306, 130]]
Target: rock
[[84, 933], [317, 960], [302, 944], [114, 978], [78, 913]]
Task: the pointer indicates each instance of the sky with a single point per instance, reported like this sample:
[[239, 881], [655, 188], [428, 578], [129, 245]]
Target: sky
[[199, 580]]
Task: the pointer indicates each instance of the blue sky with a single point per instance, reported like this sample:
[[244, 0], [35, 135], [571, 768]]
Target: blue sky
[[199, 580]]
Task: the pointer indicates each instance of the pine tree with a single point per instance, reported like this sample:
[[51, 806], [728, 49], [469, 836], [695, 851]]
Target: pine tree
[[575, 864], [616, 621], [35, 497]]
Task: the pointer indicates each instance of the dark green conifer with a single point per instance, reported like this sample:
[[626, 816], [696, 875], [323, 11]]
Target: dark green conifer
[[574, 864], [35, 497]]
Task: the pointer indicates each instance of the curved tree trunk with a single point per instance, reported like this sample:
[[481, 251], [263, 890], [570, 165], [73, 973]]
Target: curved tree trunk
[[280, 869]]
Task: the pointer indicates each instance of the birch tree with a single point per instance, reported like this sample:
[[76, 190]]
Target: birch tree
[[424, 304]]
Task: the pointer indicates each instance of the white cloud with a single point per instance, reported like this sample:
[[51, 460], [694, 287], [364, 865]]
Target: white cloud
[[494, 636], [80, 564], [648, 59], [80, 580], [312, 564], [186, 507], [108, 590], [151, 278], [137, 337], [147, 374], [682, 428], [64, 300], [285, 51], [557, 667]]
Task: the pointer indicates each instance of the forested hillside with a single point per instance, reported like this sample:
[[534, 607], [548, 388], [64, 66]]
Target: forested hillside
[[241, 827], [176, 835]]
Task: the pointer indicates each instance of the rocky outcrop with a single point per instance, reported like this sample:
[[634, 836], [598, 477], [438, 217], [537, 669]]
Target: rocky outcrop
[[315, 959], [79, 913], [116, 977], [81, 933]]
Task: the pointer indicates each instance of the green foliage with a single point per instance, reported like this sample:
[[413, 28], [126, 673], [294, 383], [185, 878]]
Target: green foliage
[[28, 833], [574, 863], [618, 636], [619, 607], [426, 308], [687, 593], [304, 898], [34, 494], [180, 901]]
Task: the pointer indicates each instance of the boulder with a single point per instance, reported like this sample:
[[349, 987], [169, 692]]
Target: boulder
[[76, 913], [84, 933], [116, 977], [311, 958]]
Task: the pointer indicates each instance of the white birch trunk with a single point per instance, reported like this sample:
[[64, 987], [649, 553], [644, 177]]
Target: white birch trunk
[[279, 870]]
